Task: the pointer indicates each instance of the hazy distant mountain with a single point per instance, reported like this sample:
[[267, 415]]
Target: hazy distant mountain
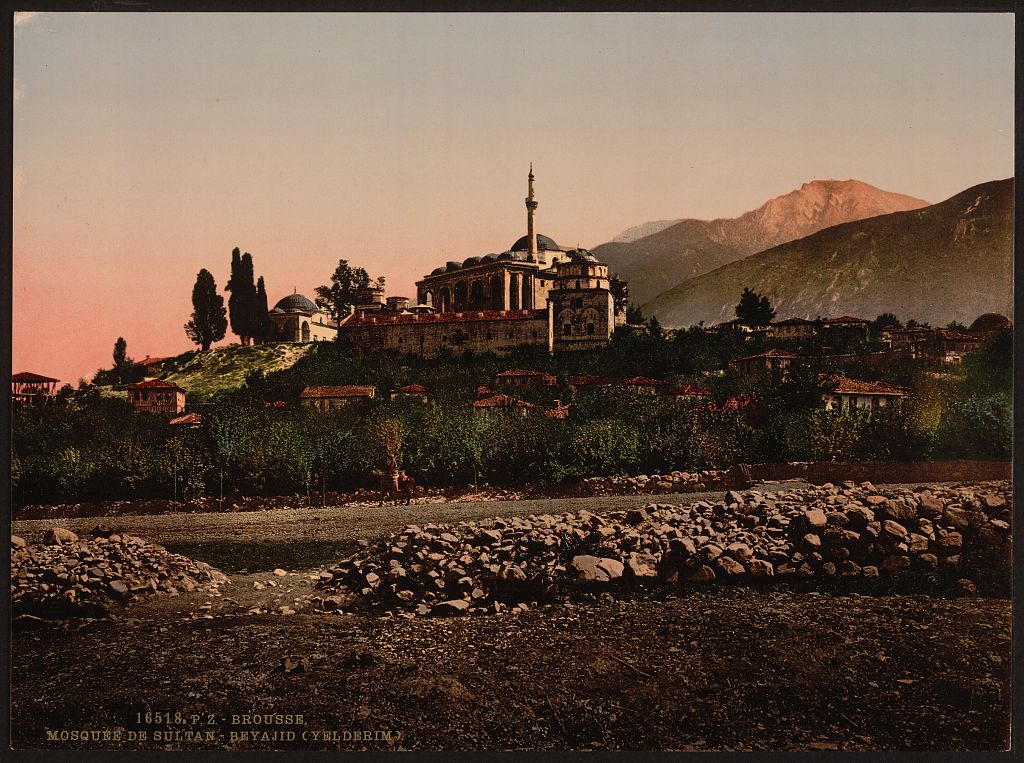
[[948, 261], [658, 255]]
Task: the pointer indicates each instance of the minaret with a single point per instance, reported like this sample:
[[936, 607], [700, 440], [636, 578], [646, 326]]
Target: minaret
[[531, 230]]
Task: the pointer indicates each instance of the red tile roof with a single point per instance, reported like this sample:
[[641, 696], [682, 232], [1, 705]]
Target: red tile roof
[[348, 390], [360, 321], [590, 381], [793, 322], [188, 418], [953, 334], [524, 372], [148, 361], [642, 381], [412, 389], [28, 376], [690, 389], [845, 319], [155, 384], [501, 401], [843, 386]]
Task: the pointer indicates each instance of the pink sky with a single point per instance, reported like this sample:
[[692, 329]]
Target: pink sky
[[147, 146]]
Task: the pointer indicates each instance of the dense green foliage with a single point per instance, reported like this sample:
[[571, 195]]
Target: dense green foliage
[[754, 309], [86, 446], [209, 321], [342, 292]]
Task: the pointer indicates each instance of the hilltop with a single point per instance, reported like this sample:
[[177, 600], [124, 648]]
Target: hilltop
[[949, 261], [656, 256], [225, 368]]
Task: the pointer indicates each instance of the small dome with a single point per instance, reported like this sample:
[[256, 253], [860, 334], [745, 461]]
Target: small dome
[[487, 258], [450, 266], [991, 322], [505, 256], [296, 303], [470, 261], [437, 271], [544, 244], [582, 254]]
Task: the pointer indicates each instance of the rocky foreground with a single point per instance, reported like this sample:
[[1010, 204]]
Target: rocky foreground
[[827, 532], [66, 576]]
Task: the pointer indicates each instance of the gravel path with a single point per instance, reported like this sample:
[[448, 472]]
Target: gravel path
[[340, 522]]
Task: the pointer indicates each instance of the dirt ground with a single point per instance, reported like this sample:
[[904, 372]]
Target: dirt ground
[[715, 669]]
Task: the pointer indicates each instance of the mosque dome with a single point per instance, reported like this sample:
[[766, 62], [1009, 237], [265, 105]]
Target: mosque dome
[[543, 244], [296, 303], [991, 322]]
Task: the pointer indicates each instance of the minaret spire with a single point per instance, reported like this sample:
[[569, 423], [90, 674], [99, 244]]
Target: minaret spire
[[531, 209]]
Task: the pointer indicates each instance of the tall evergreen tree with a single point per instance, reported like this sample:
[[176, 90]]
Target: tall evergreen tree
[[235, 309], [120, 358], [264, 328], [209, 320], [247, 288]]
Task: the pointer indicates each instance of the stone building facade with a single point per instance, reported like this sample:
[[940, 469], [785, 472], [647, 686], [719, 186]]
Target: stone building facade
[[296, 318]]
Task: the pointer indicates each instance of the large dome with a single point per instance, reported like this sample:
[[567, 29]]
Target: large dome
[[543, 244], [296, 303], [991, 322]]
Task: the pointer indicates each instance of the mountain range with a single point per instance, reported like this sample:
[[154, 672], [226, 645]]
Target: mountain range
[[948, 261], [656, 256]]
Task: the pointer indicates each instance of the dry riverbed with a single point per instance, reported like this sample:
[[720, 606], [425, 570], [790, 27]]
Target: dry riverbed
[[714, 669]]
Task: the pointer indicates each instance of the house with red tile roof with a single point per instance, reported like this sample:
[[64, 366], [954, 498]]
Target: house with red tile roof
[[156, 396], [848, 394], [326, 397], [501, 402]]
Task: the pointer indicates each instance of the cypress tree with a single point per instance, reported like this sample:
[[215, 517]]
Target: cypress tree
[[264, 328], [237, 298], [247, 292], [209, 320], [120, 358]]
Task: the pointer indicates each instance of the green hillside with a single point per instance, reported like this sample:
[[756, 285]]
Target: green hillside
[[225, 368]]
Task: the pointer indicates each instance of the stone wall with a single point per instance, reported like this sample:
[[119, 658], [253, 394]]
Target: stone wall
[[457, 333]]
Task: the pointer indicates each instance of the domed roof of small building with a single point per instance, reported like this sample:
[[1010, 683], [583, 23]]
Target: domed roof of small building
[[296, 303], [582, 254], [543, 244], [991, 322], [437, 271], [470, 261], [450, 266]]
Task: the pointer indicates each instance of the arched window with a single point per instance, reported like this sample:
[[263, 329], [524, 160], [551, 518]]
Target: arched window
[[446, 300], [459, 297], [476, 296], [527, 295], [496, 301], [305, 331], [513, 292]]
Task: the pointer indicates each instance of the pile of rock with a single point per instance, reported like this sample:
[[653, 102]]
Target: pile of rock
[[653, 484], [67, 577], [826, 532]]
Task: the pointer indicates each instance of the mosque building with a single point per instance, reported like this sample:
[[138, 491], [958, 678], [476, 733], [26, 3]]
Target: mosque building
[[535, 293]]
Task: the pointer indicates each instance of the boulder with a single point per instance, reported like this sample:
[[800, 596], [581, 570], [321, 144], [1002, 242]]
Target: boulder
[[58, 536]]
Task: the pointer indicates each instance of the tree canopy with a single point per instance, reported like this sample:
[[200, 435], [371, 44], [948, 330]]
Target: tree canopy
[[337, 297], [754, 310], [209, 320]]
